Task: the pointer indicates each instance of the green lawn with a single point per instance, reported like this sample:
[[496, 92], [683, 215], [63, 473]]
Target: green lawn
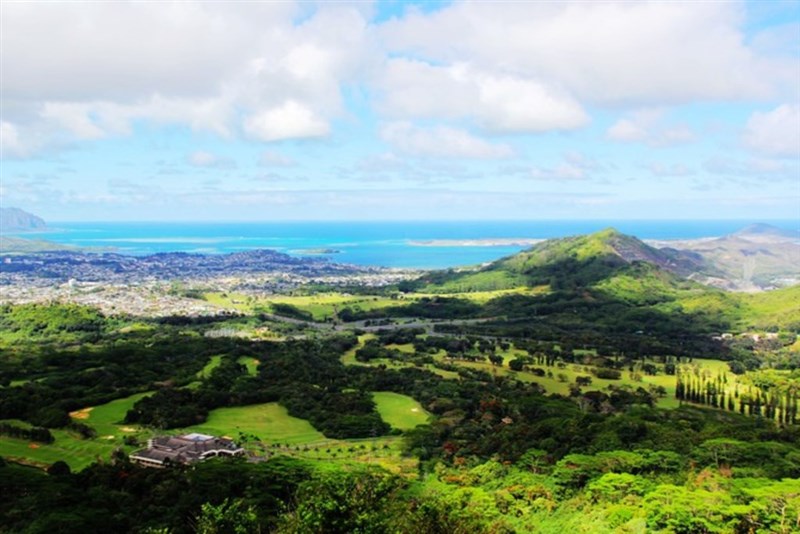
[[322, 306], [349, 358], [400, 411], [68, 446], [270, 422], [251, 364], [107, 418], [213, 363]]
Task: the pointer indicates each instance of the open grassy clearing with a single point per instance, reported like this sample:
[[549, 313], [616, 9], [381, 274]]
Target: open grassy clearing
[[68, 446], [251, 364], [400, 411], [213, 363], [349, 358], [107, 419], [323, 306], [270, 422]]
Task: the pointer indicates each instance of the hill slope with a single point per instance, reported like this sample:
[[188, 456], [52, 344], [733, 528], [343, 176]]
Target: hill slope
[[611, 282], [608, 246], [755, 258], [570, 262], [17, 220]]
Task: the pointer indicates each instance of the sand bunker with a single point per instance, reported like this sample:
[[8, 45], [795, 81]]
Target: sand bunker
[[128, 429], [81, 414]]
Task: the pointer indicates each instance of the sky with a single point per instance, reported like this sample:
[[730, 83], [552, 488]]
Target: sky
[[248, 110]]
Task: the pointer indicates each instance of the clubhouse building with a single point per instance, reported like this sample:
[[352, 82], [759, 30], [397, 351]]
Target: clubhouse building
[[163, 451]]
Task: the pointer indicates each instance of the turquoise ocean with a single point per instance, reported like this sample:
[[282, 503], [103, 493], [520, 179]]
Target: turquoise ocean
[[388, 244]]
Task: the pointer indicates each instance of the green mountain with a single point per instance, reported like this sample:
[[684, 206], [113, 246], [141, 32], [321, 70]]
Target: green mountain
[[611, 286], [601, 253], [572, 262]]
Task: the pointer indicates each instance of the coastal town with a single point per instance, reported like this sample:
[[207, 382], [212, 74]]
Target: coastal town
[[148, 285]]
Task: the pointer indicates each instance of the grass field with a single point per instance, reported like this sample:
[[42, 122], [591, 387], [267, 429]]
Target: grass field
[[107, 418], [251, 364], [323, 306], [400, 411], [270, 422], [68, 446], [213, 363], [349, 358]]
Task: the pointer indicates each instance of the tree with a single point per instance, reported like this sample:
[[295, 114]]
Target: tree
[[517, 364], [58, 469], [227, 517]]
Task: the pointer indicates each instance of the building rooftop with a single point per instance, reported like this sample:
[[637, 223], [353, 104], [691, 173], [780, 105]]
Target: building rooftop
[[185, 449]]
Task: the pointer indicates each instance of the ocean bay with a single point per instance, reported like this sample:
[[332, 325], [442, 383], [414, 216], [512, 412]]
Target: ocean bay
[[417, 244]]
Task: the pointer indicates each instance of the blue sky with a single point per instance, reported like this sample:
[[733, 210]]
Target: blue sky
[[393, 110]]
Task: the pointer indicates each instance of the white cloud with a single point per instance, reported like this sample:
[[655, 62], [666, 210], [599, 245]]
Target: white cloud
[[775, 132], [564, 171], [626, 130], [123, 51], [664, 170], [271, 158], [574, 165], [496, 101], [89, 70], [753, 168], [278, 70], [75, 118], [648, 126], [441, 141], [291, 120], [203, 159], [632, 53], [10, 144]]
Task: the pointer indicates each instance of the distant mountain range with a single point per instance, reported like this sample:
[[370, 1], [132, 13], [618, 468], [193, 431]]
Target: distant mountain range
[[757, 257], [17, 220]]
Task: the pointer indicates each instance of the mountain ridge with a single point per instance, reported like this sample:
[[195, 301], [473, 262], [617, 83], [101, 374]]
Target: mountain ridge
[[18, 220]]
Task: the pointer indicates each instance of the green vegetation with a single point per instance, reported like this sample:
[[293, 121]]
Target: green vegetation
[[269, 423], [400, 411], [108, 419], [251, 364], [575, 387], [774, 310]]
